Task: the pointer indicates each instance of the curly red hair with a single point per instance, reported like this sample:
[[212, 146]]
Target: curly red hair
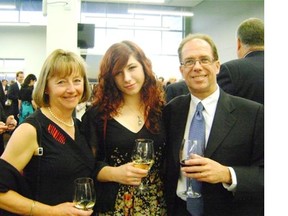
[[108, 98]]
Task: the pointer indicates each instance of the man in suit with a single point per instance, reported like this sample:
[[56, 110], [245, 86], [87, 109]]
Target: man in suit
[[3, 94], [244, 76], [13, 94], [232, 168], [176, 89]]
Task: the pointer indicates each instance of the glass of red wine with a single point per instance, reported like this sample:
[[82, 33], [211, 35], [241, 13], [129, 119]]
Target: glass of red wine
[[188, 147]]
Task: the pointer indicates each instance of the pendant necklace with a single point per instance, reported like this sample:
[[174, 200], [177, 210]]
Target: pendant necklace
[[139, 121], [59, 120]]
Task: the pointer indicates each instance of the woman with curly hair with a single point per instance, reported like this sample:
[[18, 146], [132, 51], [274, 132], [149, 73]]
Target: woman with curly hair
[[127, 105]]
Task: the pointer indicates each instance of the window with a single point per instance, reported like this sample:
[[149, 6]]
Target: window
[[158, 35], [9, 67]]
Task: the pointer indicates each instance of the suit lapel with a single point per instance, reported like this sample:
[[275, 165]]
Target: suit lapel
[[179, 120], [222, 123]]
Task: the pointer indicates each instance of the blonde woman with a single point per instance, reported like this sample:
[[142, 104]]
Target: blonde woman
[[47, 147]]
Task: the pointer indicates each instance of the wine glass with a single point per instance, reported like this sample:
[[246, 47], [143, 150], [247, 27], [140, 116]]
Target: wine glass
[[84, 193], [189, 147], [143, 155]]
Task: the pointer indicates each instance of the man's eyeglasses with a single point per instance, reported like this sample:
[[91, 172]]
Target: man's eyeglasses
[[191, 62]]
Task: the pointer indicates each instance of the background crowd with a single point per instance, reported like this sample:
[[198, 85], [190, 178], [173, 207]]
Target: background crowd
[[130, 102]]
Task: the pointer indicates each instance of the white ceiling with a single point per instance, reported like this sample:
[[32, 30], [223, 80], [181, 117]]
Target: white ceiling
[[182, 3]]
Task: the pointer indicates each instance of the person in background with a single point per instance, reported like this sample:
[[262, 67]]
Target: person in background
[[171, 80], [232, 168], [6, 124], [5, 85], [162, 81], [26, 104], [48, 147], [127, 105], [3, 92], [244, 76], [91, 99], [11, 83], [175, 89], [13, 94]]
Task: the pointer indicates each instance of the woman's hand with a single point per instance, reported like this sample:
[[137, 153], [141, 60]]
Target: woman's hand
[[130, 175], [124, 174], [63, 209]]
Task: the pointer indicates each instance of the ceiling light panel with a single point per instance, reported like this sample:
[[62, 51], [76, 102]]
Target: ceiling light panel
[[143, 1], [161, 12]]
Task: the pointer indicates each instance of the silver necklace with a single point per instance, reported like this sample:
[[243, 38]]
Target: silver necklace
[[139, 120], [61, 121]]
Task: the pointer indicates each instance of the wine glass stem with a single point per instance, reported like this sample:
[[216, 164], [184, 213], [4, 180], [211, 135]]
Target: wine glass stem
[[189, 185], [142, 186], [190, 192]]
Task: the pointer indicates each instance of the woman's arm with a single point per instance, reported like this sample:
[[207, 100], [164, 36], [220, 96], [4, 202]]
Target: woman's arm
[[21, 146], [19, 151], [124, 174]]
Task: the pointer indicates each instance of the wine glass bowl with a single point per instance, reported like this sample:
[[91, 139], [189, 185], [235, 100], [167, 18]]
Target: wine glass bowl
[[143, 155], [84, 193]]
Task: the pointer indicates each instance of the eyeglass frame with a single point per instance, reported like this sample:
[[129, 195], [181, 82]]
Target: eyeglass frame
[[210, 61]]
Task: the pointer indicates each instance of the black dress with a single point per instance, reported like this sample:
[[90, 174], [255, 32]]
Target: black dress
[[51, 175], [114, 198]]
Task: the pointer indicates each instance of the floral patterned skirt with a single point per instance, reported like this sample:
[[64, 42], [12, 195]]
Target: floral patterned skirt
[[131, 201]]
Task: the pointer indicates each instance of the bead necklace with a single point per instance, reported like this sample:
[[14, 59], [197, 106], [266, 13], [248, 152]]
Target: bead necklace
[[61, 121]]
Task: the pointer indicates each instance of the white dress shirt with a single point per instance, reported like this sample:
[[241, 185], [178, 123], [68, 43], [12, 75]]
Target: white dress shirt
[[210, 104]]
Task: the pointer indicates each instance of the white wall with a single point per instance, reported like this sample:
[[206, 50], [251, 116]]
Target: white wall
[[28, 42]]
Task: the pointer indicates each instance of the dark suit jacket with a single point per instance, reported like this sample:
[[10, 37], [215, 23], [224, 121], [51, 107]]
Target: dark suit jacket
[[13, 94], [3, 119], [175, 89], [244, 77], [237, 140], [3, 97]]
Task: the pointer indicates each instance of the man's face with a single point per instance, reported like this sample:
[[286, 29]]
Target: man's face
[[20, 78], [200, 75]]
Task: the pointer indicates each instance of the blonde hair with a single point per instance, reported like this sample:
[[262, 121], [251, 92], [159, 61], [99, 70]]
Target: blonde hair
[[60, 63]]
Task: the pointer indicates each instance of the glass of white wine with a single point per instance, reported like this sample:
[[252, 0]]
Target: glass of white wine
[[143, 155], [84, 193]]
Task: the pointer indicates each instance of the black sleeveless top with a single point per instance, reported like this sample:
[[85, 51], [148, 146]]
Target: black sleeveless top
[[51, 176]]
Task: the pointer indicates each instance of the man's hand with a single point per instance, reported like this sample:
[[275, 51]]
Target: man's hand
[[11, 123]]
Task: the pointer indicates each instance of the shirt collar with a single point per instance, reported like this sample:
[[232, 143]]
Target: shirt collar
[[19, 85], [209, 102]]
